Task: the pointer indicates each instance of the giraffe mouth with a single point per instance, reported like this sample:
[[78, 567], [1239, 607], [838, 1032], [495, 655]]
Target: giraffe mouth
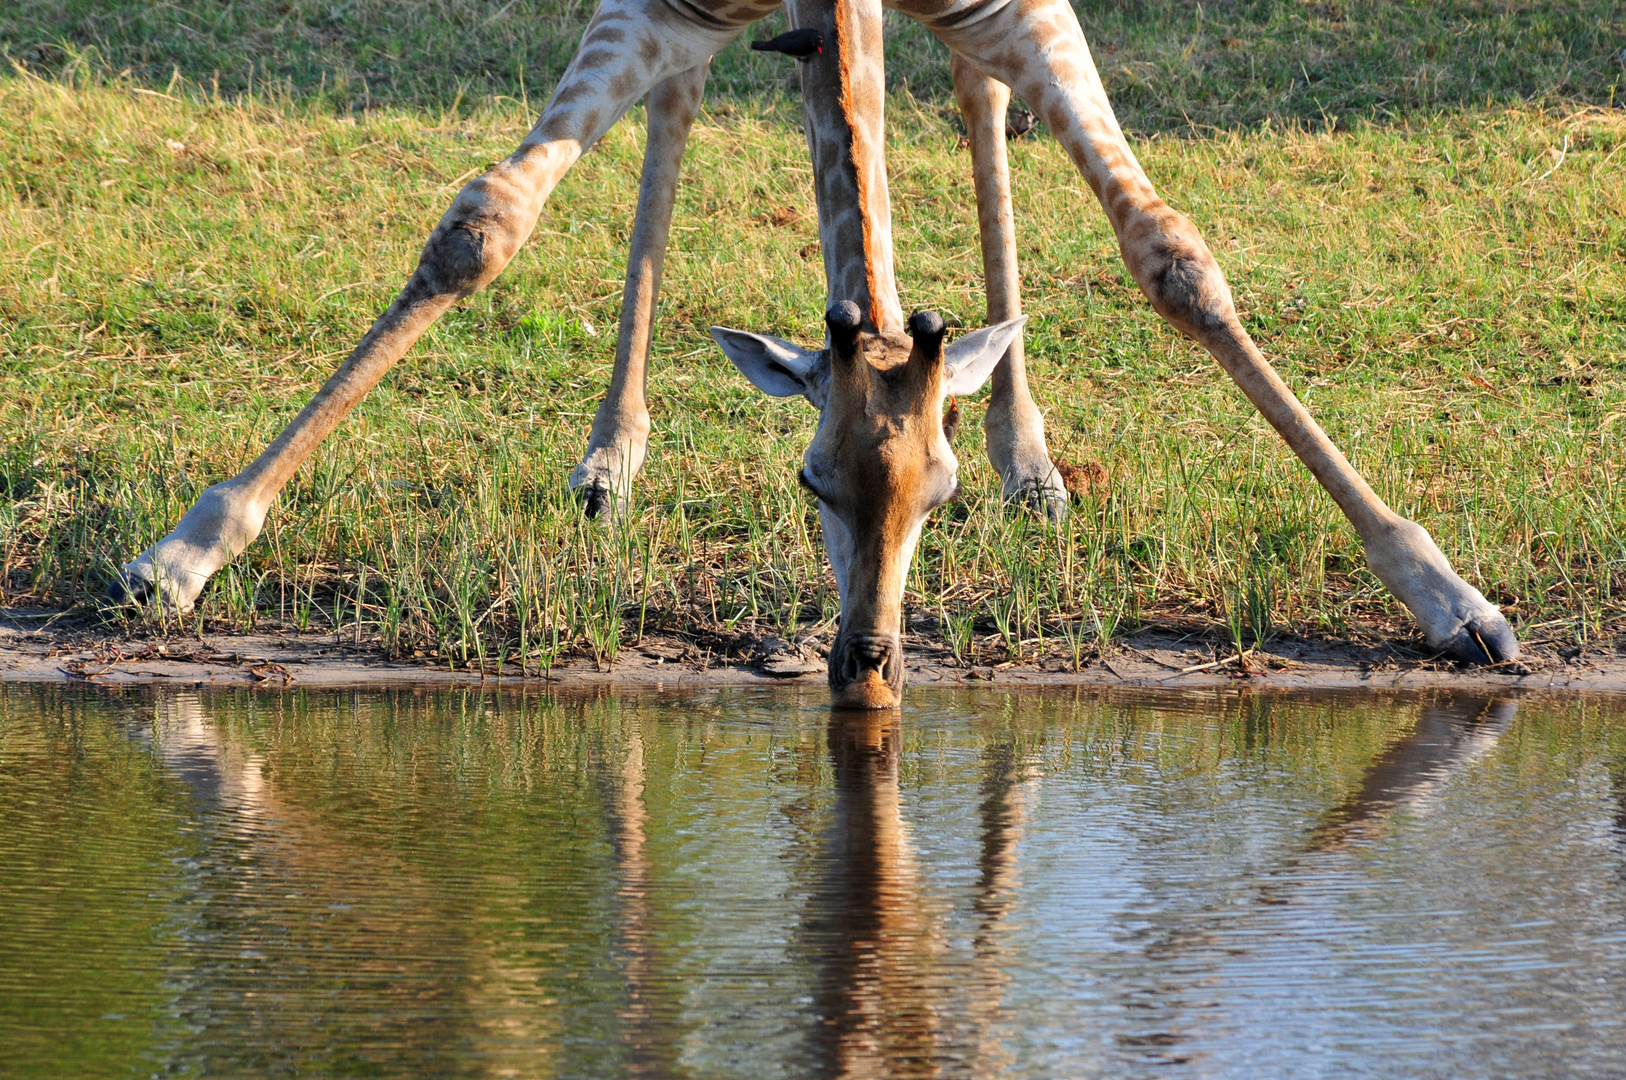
[[866, 671]]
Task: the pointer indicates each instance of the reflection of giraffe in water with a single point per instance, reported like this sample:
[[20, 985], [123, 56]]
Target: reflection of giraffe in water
[[880, 996], [1188, 946], [892, 998], [1009, 789], [646, 1033], [879, 463], [1446, 737]]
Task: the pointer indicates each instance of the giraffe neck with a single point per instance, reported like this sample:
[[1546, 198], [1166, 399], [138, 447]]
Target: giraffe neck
[[843, 106]]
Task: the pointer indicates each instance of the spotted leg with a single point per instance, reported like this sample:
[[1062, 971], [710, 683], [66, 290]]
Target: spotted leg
[[1037, 48], [615, 451], [1013, 424], [629, 47]]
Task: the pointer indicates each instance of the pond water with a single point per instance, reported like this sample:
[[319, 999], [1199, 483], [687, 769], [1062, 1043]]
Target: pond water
[[735, 884]]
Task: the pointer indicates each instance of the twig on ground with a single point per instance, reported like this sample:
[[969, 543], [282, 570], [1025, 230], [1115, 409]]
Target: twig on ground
[[1238, 659]]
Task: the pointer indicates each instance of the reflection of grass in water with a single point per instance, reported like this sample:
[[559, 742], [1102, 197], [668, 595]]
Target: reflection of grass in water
[[178, 273]]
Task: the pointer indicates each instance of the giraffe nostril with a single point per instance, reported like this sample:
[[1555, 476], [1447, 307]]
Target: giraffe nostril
[[868, 655], [866, 670]]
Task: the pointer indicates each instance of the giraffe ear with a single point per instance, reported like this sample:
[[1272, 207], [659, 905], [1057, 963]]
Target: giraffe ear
[[774, 366], [969, 361]]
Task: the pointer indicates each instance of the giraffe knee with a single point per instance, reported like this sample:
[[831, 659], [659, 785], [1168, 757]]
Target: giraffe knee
[[1178, 273], [472, 243], [455, 259]]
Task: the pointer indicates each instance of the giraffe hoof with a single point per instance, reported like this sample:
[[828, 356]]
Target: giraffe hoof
[[596, 498], [1485, 639], [129, 589], [1042, 498]]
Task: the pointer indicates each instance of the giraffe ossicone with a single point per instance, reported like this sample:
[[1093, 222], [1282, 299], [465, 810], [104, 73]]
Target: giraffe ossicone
[[881, 390]]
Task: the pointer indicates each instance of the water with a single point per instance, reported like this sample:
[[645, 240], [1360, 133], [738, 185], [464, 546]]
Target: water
[[726, 885]]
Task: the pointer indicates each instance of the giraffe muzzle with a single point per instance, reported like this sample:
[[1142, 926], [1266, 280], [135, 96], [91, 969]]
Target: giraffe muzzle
[[866, 672]]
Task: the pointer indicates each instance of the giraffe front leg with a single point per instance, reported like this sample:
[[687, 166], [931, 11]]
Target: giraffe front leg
[[225, 520], [1013, 425], [629, 46], [616, 448], [1177, 272], [1456, 619], [1038, 49]]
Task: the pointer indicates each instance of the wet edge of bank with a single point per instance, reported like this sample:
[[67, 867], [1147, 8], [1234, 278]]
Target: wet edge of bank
[[1151, 659]]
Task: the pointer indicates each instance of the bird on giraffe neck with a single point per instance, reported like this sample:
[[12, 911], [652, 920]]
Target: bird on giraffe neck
[[803, 44]]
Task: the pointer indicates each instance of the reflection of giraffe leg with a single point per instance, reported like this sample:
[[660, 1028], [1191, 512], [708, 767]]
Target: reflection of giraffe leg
[[1446, 737], [628, 837], [219, 773], [615, 452], [1037, 48], [630, 46], [1006, 790], [1014, 427]]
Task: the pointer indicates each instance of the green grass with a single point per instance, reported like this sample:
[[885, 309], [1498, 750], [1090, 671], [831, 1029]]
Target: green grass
[[180, 268], [1170, 65]]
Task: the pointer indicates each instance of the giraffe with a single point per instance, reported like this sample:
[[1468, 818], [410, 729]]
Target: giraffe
[[879, 462]]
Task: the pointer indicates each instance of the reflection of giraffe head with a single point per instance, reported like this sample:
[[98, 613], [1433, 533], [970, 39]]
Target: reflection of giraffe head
[[879, 463], [877, 927]]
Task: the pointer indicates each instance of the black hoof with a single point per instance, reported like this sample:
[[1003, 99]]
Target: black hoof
[[1487, 640], [1042, 500], [129, 590], [597, 499]]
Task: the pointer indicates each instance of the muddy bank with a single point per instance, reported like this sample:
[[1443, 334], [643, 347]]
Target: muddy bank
[[43, 647]]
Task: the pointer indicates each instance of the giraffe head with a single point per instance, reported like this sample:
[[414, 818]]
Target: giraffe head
[[879, 463]]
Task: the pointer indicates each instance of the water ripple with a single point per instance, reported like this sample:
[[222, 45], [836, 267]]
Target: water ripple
[[741, 884]]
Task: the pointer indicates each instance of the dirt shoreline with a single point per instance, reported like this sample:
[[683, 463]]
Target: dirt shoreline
[[36, 647]]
